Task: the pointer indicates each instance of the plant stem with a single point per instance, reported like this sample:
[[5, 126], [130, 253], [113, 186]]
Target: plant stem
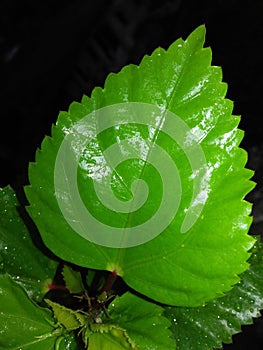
[[57, 287], [109, 281]]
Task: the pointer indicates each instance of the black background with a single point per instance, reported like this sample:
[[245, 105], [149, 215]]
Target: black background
[[53, 52]]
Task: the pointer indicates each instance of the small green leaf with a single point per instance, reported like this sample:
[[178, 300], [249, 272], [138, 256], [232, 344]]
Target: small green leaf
[[20, 257], [68, 318], [23, 324], [205, 328], [146, 178], [107, 337], [143, 321], [72, 279], [95, 336]]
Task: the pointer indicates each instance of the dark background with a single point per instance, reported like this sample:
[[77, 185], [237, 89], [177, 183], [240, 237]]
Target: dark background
[[53, 52]]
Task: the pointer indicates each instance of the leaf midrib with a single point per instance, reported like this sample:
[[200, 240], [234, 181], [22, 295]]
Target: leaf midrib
[[186, 60]]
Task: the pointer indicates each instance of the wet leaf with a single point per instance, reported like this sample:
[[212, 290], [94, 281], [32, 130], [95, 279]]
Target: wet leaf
[[146, 178], [20, 257], [68, 342], [23, 324], [207, 327]]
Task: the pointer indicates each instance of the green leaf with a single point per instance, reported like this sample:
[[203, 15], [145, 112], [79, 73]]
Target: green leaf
[[205, 328], [20, 257], [143, 321], [164, 124], [95, 336], [68, 342], [68, 318], [72, 279], [107, 337], [24, 325]]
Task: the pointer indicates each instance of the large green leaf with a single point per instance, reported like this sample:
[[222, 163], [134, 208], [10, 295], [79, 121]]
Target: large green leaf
[[23, 324], [166, 124], [20, 257], [205, 328]]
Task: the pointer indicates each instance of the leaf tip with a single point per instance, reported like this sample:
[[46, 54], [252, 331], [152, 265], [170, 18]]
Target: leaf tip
[[198, 35]]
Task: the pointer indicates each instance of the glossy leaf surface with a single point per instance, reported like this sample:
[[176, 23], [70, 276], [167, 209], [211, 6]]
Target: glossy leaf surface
[[20, 257], [206, 328], [171, 111], [68, 342], [23, 324]]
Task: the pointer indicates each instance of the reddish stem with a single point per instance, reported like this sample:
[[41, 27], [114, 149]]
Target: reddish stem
[[57, 287], [109, 281]]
